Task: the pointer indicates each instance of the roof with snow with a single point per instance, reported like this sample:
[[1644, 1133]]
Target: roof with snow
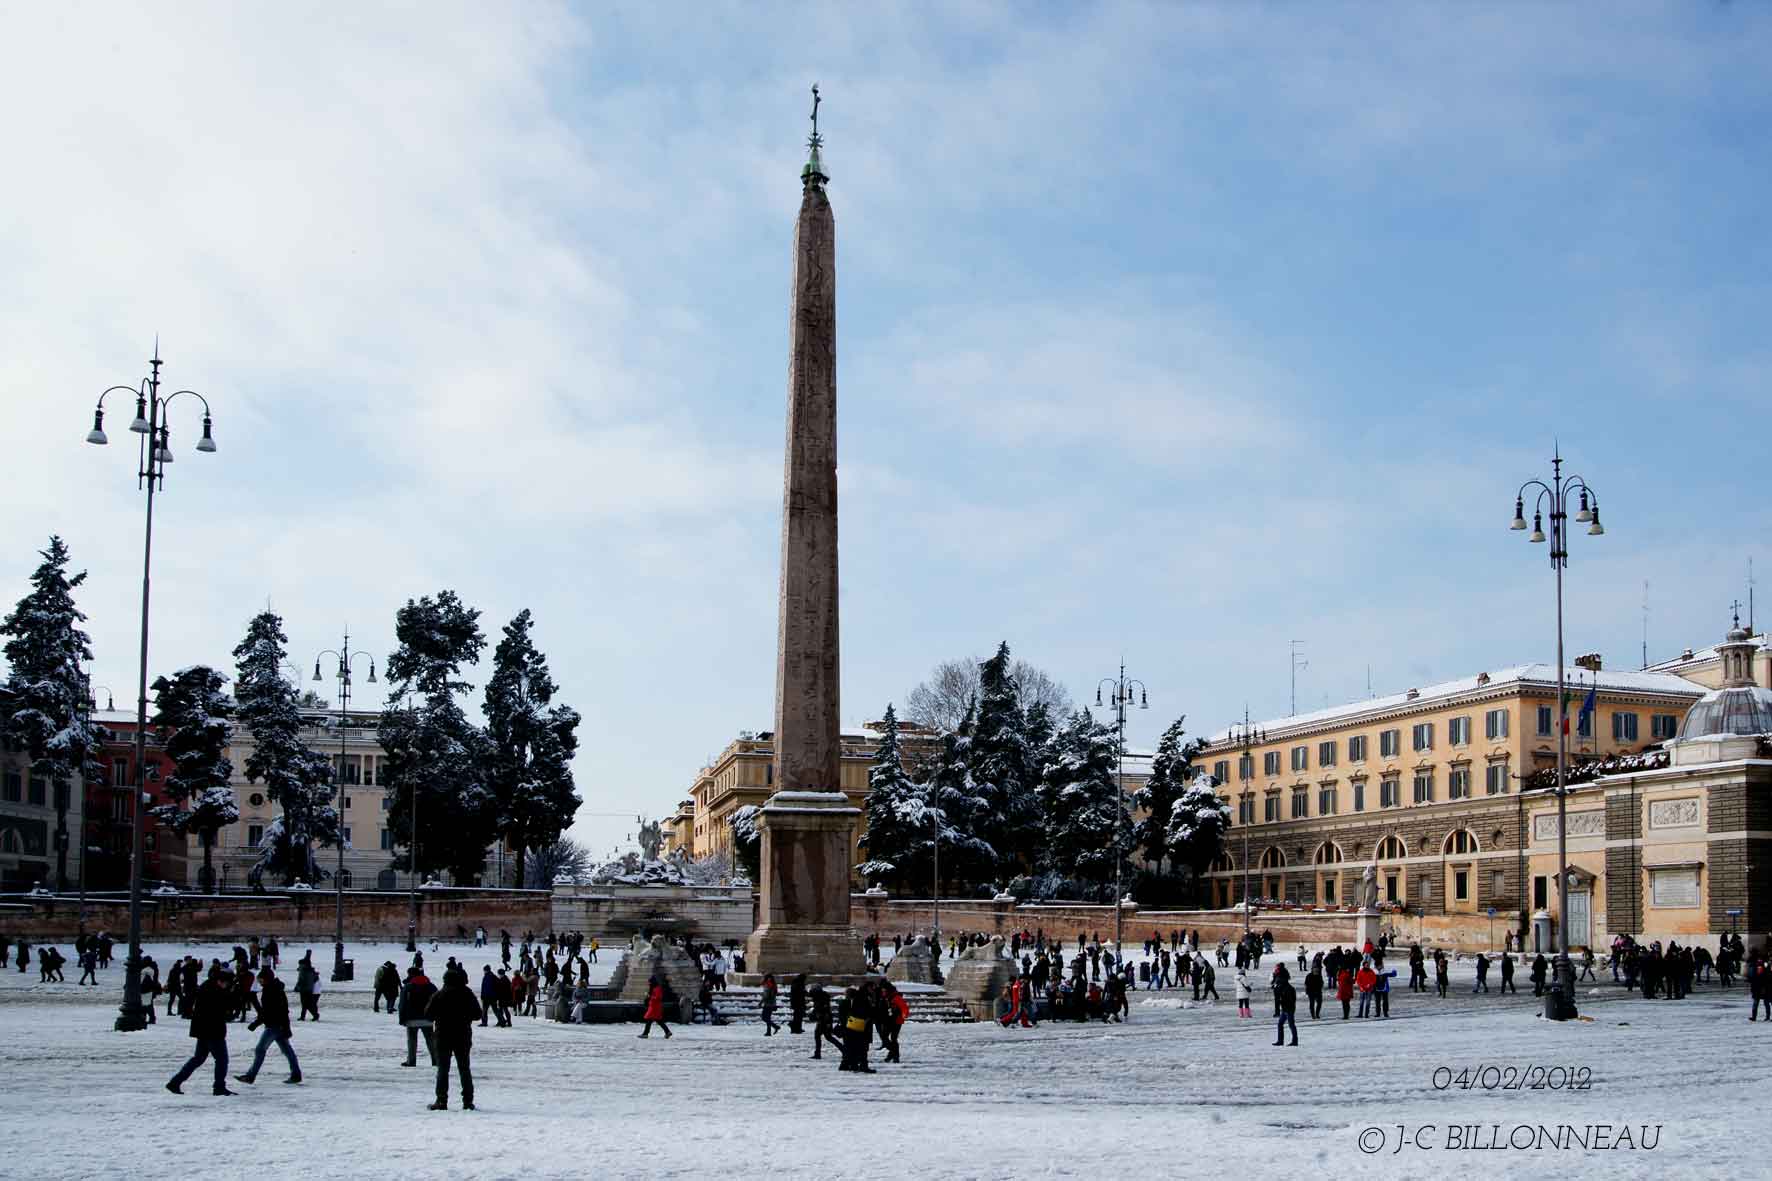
[[1540, 676], [1702, 656]]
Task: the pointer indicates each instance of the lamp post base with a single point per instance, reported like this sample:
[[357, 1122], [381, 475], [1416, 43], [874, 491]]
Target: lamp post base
[[342, 969], [1559, 1000], [131, 1018]]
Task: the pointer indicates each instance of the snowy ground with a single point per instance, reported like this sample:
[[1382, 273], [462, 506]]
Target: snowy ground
[[1181, 1087]]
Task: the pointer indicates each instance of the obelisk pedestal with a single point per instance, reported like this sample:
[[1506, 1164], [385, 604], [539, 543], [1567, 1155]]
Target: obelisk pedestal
[[807, 840]]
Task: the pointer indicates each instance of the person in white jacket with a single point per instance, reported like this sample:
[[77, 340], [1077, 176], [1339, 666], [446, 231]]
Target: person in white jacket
[[1243, 993]]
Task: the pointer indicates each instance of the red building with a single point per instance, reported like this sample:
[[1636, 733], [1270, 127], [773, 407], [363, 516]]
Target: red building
[[108, 819]]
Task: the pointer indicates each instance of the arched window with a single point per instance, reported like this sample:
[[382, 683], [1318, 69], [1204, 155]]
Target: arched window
[[10, 842], [1221, 863], [1272, 858], [1328, 853], [1460, 840], [1391, 849]]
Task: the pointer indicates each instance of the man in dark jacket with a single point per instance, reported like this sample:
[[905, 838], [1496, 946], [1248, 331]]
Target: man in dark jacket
[[822, 1026], [273, 1013], [797, 1003], [209, 1025], [452, 1013], [415, 996], [1286, 1001]]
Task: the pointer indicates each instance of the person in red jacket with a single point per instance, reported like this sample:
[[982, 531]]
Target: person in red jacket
[[1344, 990], [655, 1007]]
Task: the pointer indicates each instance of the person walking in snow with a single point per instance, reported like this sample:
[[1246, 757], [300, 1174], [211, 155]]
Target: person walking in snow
[[1344, 990], [1482, 974], [307, 987], [415, 998], [272, 1007], [89, 966], [797, 1003], [823, 1028], [1507, 972], [1243, 992], [656, 995], [452, 1013], [387, 986], [1286, 1004], [1381, 992], [209, 1026], [1313, 989], [1442, 967], [770, 1027], [1366, 980]]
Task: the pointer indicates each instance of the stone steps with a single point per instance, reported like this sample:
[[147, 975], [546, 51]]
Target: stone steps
[[746, 1005]]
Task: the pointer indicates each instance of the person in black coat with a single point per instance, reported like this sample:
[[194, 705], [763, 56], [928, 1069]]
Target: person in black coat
[[209, 1025], [1539, 966], [1313, 988], [1507, 972], [452, 1013], [1286, 1001], [822, 1027], [857, 1015], [797, 1003], [272, 1005], [415, 996]]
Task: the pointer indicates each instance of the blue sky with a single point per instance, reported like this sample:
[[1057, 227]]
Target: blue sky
[[1172, 331]]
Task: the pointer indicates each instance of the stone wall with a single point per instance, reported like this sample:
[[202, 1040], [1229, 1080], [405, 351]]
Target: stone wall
[[614, 914], [1069, 922], [443, 913]]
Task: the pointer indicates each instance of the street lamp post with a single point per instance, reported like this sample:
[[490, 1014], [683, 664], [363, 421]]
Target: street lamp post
[[1557, 493], [344, 656], [1246, 740], [1121, 689], [155, 452]]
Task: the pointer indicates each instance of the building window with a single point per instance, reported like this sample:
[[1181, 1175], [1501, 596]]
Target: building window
[[1246, 809], [1270, 808], [1301, 758], [1356, 749], [1458, 731], [1663, 726], [1460, 840], [347, 802], [255, 835], [1326, 753], [1495, 779], [1301, 803], [1272, 858], [387, 839], [1246, 767], [1270, 763], [1424, 787], [1544, 720], [385, 804], [1461, 885], [1389, 743], [119, 774], [39, 792], [1584, 725], [1624, 727], [1495, 724], [1359, 795], [1423, 736], [1497, 885], [1387, 791], [1326, 801], [1458, 783], [347, 837], [1540, 892], [1221, 770], [1391, 849], [14, 788]]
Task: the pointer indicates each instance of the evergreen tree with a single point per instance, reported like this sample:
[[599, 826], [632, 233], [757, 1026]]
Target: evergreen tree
[[747, 841], [1086, 814], [962, 810], [191, 709], [1198, 824], [43, 706], [298, 780], [434, 753], [531, 742], [1171, 771], [898, 818], [1001, 765]]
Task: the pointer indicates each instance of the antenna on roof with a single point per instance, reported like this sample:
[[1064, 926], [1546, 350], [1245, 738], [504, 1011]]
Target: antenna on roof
[[1296, 665], [1645, 623], [1750, 598]]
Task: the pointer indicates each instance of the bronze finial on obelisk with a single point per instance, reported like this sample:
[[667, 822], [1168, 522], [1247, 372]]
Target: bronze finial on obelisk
[[808, 825]]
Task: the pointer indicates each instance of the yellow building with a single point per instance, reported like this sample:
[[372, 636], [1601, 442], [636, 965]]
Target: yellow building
[[1424, 785]]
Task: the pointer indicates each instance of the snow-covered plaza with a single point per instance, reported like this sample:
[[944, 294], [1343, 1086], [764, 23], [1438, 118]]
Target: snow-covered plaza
[[1673, 1089]]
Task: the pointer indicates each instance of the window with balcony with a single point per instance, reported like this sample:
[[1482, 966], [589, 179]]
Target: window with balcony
[[1389, 743], [1495, 724]]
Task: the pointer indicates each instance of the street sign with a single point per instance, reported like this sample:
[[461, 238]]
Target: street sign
[[1733, 912], [1491, 912]]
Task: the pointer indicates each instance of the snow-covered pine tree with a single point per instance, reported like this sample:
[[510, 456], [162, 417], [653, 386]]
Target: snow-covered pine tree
[[1086, 816], [747, 840], [1002, 767], [1198, 824], [433, 750], [532, 743], [43, 707], [192, 711], [298, 780], [963, 810], [897, 817], [1172, 769]]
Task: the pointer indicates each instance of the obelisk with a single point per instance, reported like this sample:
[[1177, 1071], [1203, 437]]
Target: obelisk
[[808, 825]]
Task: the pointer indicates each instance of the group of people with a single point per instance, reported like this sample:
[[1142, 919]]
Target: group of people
[[849, 1024], [91, 952]]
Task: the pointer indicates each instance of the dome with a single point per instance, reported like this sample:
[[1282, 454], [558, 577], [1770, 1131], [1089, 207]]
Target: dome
[[1737, 710]]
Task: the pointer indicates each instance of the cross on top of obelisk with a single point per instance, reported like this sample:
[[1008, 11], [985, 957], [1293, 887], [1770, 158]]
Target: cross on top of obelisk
[[813, 175]]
